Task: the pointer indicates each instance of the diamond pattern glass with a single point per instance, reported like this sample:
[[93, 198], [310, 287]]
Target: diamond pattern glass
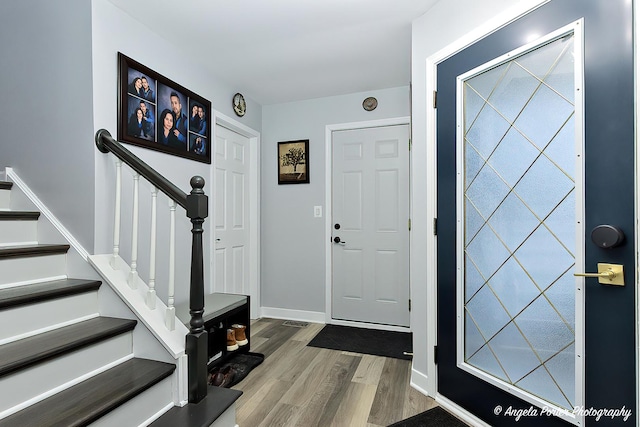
[[486, 361], [487, 252], [520, 221], [513, 91], [487, 312], [514, 353], [487, 191], [513, 157], [476, 280], [513, 287]]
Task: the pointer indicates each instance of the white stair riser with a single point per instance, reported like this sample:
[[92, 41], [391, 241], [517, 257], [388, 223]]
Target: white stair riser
[[17, 232], [227, 418], [37, 382], [5, 199], [24, 320], [32, 269], [142, 407]]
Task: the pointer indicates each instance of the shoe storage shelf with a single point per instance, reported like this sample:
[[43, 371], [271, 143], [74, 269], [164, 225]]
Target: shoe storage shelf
[[221, 311]]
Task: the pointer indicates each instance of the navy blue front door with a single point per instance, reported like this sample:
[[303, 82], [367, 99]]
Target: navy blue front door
[[609, 333]]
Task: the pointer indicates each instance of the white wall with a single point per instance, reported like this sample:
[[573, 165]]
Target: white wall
[[115, 31], [292, 240], [444, 24], [45, 114]]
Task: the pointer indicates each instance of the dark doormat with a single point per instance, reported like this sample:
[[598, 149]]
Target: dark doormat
[[367, 341], [434, 417], [234, 370]]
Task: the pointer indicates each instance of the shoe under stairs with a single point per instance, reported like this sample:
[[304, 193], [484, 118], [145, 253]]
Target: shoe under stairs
[[61, 363]]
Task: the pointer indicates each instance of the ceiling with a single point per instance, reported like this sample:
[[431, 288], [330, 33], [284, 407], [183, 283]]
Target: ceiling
[[276, 51]]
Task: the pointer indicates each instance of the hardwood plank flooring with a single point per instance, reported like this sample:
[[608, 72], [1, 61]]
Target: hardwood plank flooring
[[305, 386]]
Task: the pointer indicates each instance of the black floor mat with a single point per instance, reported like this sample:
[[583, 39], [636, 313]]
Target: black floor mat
[[435, 417], [367, 341]]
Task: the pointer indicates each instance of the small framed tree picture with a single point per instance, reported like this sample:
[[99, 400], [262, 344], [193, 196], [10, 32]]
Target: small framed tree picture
[[293, 162]]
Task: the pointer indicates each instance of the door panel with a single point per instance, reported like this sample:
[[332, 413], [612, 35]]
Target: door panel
[[513, 233], [518, 321], [231, 212], [371, 205]]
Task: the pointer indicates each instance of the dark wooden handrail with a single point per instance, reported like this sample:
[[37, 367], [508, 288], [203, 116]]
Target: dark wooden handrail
[[196, 205], [106, 143]]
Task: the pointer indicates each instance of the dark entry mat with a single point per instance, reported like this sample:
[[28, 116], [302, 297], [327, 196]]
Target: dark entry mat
[[236, 368], [435, 417], [367, 341]]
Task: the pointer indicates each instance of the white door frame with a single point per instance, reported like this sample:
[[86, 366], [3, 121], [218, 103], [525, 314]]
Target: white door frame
[[254, 212], [406, 120], [428, 383]]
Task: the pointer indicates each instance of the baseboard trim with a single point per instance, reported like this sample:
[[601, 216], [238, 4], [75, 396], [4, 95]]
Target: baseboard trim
[[157, 415], [367, 325], [460, 412], [288, 314], [420, 382], [13, 176]]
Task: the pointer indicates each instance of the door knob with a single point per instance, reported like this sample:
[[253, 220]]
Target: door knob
[[338, 241], [608, 274]]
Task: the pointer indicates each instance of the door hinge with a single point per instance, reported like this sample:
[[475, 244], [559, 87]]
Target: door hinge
[[409, 305], [435, 99], [409, 224], [435, 226], [435, 354], [409, 144]]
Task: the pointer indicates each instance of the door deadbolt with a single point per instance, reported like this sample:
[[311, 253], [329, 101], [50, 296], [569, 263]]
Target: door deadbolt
[[607, 236]]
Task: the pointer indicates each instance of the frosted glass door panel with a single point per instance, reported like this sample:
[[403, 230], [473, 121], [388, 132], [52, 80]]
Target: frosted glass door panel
[[519, 221]]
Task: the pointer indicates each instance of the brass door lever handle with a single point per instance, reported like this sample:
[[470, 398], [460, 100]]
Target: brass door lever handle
[[608, 274]]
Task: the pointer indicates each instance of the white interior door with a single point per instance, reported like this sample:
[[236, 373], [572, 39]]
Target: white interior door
[[370, 222], [232, 209]]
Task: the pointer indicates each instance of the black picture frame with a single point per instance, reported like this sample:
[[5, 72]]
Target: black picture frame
[[293, 162], [193, 137]]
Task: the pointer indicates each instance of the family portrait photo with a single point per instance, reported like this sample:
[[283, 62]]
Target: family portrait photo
[[159, 114]]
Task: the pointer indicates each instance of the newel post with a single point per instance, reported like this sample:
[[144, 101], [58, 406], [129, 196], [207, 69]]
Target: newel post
[[197, 345]]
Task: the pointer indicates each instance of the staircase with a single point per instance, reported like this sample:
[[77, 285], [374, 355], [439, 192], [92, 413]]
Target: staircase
[[61, 363]]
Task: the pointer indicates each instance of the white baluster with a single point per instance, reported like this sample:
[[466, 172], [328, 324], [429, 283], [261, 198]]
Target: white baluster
[[116, 221], [133, 274], [151, 295], [170, 320]]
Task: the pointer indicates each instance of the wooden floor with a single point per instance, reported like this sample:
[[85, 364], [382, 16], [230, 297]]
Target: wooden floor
[[305, 386]]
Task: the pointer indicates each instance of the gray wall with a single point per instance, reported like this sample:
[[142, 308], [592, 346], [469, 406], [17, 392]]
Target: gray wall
[[115, 31], [46, 113], [293, 241]]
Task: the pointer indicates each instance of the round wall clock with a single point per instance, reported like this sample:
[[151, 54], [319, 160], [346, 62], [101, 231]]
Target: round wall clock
[[370, 103], [239, 105]]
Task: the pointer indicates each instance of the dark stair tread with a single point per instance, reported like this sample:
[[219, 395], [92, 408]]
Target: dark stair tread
[[47, 345], [6, 185], [36, 292], [32, 250], [87, 401], [201, 414], [19, 215]]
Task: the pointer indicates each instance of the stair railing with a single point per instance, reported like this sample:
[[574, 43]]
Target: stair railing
[[196, 206]]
